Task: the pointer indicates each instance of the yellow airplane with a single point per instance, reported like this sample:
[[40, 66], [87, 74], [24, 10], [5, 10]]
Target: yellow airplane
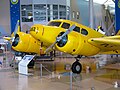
[[65, 36]]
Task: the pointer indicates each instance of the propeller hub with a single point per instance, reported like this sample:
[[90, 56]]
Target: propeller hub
[[15, 40], [62, 41]]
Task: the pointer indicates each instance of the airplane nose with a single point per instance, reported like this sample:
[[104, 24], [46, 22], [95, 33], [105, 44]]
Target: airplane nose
[[37, 31], [46, 34]]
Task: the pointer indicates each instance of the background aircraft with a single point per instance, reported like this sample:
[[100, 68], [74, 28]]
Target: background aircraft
[[65, 36]]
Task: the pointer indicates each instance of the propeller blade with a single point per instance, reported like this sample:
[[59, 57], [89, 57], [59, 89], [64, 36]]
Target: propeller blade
[[50, 47], [7, 38], [66, 33], [16, 28], [11, 39], [60, 38]]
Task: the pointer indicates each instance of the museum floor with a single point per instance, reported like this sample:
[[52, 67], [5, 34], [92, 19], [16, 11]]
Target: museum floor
[[54, 77]]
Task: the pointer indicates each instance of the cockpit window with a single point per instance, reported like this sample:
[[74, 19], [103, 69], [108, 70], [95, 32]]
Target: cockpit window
[[65, 25], [54, 24], [84, 31], [77, 29]]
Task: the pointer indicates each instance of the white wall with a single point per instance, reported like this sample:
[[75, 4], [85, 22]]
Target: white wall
[[26, 2], [5, 15], [63, 2]]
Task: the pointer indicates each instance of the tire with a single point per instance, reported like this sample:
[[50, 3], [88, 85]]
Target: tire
[[76, 67]]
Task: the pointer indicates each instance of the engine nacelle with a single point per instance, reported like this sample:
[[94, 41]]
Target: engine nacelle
[[67, 44], [26, 43], [76, 44]]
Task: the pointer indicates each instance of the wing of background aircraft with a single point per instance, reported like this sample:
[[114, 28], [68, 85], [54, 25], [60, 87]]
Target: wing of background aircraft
[[107, 45]]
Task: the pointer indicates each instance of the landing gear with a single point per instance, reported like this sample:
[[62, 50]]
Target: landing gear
[[76, 66]]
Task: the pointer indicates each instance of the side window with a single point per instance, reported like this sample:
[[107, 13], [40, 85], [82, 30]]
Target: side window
[[77, 29], [54, 24], [84, 31], [65, 25]]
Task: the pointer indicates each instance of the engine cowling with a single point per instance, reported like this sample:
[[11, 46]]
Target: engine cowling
[[76, 44], [25, 43], [67, 44]]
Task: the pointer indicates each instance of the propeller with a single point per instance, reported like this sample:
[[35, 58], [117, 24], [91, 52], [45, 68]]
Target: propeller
[[14, 38], [14, 33], [16, 27], [59, 38]]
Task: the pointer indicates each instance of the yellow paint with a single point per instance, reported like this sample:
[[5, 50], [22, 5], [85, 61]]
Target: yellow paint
[[27, 44], [41, 37], [77, 43]]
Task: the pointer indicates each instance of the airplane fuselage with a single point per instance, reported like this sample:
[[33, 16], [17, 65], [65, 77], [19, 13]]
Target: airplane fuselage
[[75, 43]]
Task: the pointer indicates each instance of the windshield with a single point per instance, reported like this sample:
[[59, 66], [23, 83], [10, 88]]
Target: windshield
[[54, 24]]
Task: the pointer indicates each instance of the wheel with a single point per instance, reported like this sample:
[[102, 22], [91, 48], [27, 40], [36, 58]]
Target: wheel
[[76, 67]]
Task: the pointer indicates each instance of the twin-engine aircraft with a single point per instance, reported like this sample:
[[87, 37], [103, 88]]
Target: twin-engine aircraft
[[65, 36]]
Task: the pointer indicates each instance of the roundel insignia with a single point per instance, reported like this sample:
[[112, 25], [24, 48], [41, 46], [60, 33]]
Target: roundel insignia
[[14, 1], [119, 3]]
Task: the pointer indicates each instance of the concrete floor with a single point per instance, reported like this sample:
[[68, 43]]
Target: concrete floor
[[11, 80]]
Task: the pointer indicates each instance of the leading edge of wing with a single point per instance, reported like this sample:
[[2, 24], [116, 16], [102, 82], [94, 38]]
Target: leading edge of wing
[[106, 43], [96, 41]]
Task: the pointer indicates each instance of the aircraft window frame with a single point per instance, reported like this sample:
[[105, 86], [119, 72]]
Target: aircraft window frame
[[77, 29], [65, 25], [84, 31], [54, 24]]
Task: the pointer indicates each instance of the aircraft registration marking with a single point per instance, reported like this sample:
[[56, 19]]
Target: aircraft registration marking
[[106, 45]]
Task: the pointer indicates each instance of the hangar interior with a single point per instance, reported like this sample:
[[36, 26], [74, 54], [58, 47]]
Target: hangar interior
[[53, 70]]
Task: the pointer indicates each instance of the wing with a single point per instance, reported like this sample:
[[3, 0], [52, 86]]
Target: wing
[[107, 45]]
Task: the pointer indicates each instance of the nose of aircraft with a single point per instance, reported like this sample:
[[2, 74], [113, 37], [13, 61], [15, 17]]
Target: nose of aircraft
[[37, 31], [44, 34]]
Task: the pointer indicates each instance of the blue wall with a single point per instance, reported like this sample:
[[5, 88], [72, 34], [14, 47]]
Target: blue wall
[[117, 15]]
